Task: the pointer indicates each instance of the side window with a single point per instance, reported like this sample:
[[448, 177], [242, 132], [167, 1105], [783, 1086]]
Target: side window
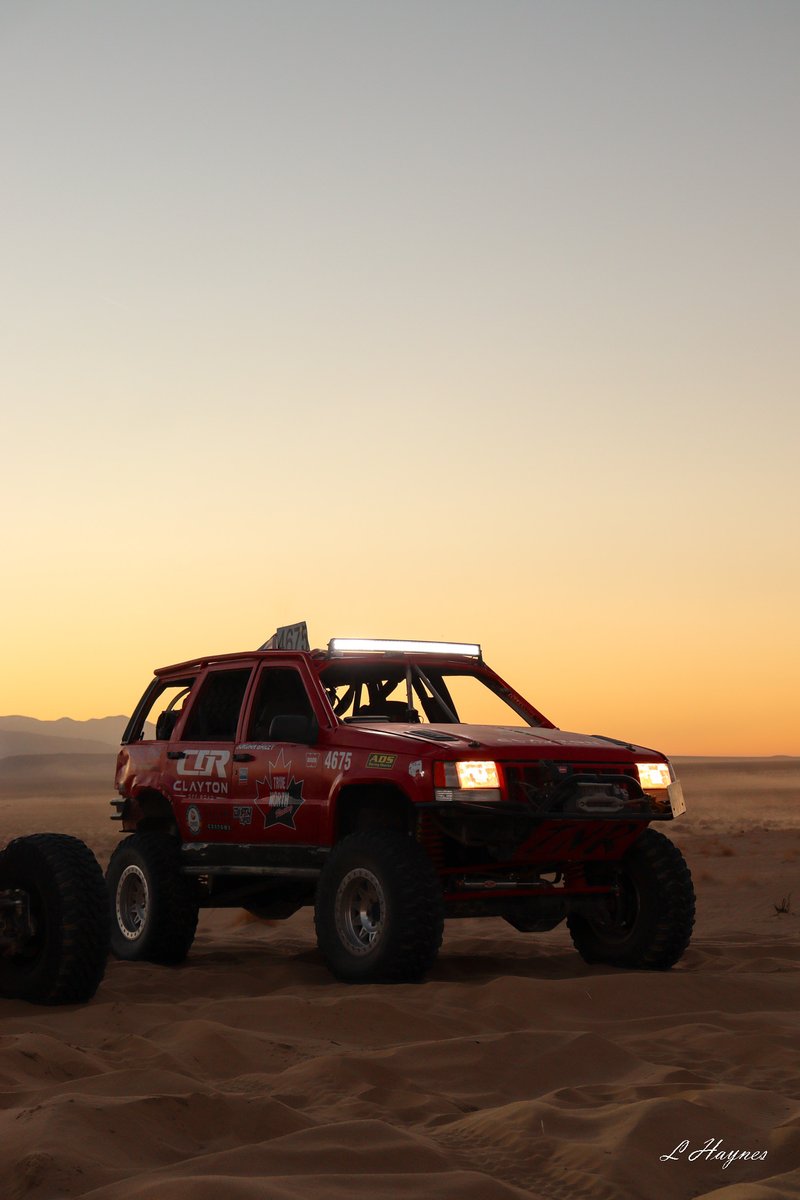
[[172, 701], [160, 709], [280, 692], [215, 712]]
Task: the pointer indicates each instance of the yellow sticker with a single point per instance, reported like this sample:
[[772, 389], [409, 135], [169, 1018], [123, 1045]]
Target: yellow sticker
[[384, 762]]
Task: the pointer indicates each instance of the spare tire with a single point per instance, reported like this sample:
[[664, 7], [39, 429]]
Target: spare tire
[[60, 954]]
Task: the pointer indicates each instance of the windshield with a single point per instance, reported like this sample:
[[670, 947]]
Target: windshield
[[418, 694]]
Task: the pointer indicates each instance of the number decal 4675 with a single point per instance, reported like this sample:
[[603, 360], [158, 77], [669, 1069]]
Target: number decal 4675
[[338, 760]]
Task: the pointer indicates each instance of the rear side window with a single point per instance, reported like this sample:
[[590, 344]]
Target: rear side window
[[159, 710], [280, 692], [215, 712]]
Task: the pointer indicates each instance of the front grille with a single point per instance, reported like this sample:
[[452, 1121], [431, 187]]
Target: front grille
[[574, 789]]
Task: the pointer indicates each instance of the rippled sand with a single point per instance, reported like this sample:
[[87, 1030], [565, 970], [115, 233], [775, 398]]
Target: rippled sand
[[513, 1071]]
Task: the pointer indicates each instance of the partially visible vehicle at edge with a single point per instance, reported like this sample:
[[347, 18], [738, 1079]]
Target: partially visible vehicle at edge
[[54, 934], [357, 780]]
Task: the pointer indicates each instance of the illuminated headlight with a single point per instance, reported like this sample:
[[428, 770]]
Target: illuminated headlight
[[654, 775], [480, 779]]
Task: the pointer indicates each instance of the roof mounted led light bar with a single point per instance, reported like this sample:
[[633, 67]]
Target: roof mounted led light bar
[[391, 646]]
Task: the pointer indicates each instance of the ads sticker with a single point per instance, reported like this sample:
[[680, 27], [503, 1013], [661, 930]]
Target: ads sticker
[[382, 762], [279, 796], [416, 768], [193, 819]]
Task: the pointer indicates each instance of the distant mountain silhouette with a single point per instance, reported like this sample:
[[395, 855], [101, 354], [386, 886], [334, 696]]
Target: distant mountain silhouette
[[57, 774], [41, 743], [29, 736], [97, 729]]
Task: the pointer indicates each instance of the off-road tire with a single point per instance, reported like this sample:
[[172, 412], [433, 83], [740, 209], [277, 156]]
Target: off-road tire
[[396, 871], [651, 925], [161, 927], [65, 960]]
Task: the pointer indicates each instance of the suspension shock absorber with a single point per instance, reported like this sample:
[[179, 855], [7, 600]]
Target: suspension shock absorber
[[429, 837]]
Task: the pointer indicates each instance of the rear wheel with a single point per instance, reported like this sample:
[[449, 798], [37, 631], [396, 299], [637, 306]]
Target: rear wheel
[[648, 924], [153, 906], [379, 912], [54, 942]]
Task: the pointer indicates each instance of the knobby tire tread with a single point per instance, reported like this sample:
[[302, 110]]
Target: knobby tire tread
[[176, 908], [414, 941], [675, 909], [80, 910]]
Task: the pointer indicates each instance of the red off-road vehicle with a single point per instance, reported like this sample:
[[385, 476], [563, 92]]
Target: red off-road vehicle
[[391, 785]]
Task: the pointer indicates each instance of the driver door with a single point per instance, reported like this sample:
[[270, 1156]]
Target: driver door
[[276, 786]]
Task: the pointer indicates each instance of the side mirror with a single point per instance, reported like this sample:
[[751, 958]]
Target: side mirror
[[292, 728]]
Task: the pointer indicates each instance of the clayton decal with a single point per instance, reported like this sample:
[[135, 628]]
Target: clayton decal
[[279, 796]]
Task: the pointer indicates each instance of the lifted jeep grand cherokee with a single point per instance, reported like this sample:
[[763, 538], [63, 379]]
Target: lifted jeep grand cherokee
[[362, 779]]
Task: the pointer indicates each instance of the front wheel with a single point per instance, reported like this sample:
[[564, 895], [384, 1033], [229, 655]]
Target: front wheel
[[53, 925], [648, 924], [379, 912], [153, 906]]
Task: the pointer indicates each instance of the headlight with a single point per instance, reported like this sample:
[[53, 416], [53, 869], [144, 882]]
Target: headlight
[[477, 775], [480, 779], [654, 775]]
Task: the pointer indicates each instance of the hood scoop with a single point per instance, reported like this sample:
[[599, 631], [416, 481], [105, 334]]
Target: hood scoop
[[435, 735]]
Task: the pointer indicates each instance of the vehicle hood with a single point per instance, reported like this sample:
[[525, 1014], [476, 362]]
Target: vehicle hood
[[509, 742]]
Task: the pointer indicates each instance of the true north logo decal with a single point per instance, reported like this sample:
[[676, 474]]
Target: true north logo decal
[[279, 795]]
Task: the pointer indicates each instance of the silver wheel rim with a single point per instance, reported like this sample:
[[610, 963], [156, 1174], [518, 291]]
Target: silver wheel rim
[[133, 896], [360, 911]]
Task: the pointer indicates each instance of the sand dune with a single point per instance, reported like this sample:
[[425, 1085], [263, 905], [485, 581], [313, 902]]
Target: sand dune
[[514, 1071]]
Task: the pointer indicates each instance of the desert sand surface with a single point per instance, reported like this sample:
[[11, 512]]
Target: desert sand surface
[[515, 1070]]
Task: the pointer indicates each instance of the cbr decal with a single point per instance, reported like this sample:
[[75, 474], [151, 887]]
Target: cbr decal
[[203, 764], [279, 796]]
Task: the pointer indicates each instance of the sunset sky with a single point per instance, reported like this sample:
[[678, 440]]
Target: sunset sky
[[470, 320]]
